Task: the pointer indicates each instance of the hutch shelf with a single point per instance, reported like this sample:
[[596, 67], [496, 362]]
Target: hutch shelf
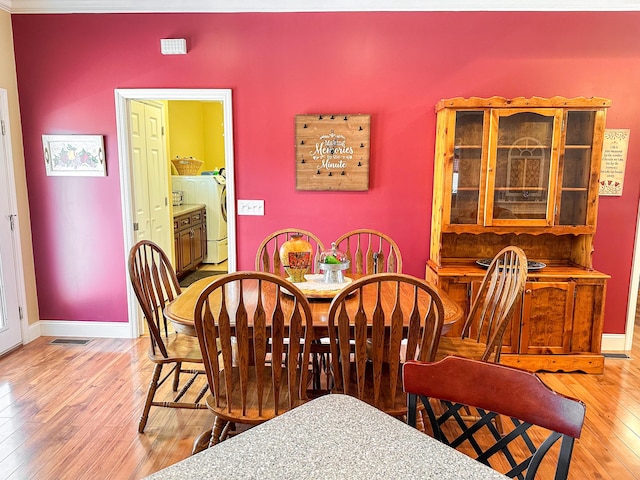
[[524, 172]]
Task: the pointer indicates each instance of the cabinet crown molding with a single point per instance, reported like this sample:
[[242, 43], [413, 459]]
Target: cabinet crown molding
[[540, 102]]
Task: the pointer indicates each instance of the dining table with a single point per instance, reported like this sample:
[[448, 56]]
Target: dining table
[[331, 437], [181, 310]]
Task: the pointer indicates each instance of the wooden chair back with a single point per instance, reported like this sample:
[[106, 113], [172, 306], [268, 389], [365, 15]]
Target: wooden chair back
[[268, 253], [494, 305], [456, 383], [268, 374], [370, 336], [370, 252], [155, 284]]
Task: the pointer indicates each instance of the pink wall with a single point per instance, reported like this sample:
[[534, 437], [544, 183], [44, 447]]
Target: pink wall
[[394, 66]]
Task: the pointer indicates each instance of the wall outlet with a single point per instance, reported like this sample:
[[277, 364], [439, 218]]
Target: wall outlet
[[250, 207]]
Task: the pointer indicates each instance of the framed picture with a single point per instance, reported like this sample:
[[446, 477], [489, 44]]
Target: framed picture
[[74, 155], [332, 152]]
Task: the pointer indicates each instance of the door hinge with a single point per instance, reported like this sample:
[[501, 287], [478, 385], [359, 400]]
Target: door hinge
[[166, 201], [136, 227], [20, 314], [162, 130], [4, 129], [11, 222]]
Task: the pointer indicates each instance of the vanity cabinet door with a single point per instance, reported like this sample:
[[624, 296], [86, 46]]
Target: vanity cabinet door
[[199, 243], [185, 246], [176, 249]]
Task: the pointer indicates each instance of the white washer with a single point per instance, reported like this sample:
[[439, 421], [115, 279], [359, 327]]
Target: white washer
[[212, 191]]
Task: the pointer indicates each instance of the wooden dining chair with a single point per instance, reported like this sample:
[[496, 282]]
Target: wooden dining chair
[[268, 375], [268, 260], [539, 416], [371, 338], [268, 253], [155, 284], [492, 309], [370, 252]]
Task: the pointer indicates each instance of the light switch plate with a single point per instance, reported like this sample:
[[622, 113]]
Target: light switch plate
[[250, 207]]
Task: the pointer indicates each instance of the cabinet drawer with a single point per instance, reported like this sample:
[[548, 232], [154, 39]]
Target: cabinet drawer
[[188, 220]]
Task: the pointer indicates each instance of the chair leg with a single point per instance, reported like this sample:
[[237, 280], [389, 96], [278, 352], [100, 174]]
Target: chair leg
[[326, 366], [176, 377], [216, 432], [315, 370], [153, 386], [225, 431], [202, 441]]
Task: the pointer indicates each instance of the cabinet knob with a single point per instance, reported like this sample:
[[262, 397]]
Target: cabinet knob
[[528, 290]]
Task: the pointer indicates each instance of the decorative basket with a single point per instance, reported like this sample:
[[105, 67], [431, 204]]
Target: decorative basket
[[187, 166]]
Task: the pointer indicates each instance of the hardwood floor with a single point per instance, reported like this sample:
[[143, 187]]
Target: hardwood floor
[[71, 412]]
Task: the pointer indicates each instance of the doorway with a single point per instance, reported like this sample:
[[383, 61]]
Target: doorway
[[124, 98], [633, 308], [12, 318]]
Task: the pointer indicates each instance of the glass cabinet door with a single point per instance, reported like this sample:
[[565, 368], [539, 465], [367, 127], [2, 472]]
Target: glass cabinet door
[[466, 170], [576, 167], [522, 167]]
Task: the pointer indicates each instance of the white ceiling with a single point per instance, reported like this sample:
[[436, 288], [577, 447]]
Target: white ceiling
[[113, 6]]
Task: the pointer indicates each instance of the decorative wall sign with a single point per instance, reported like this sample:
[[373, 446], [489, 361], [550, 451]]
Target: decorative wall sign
[[74, 155], [614, 159], [332, 152]]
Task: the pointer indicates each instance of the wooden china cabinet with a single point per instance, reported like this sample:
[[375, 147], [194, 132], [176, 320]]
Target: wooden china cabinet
[[524, 172]]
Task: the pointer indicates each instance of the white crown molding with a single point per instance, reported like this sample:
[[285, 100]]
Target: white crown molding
[[235, 6]]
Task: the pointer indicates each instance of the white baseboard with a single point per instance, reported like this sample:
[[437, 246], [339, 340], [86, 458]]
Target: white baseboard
[[63, 328], [613, 342], [33, 332]]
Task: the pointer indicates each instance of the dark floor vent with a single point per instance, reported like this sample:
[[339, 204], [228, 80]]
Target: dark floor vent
[[70, 341], [615, 355]]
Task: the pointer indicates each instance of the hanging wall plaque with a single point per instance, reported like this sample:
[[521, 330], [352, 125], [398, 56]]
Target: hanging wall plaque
[[75, 155], [614, 159], [332, 152]]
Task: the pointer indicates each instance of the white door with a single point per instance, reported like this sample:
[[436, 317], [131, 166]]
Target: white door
[[10, 335], [150, 175]]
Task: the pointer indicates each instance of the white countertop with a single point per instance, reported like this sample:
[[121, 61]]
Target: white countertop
[[331, 437], [187, 208]]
